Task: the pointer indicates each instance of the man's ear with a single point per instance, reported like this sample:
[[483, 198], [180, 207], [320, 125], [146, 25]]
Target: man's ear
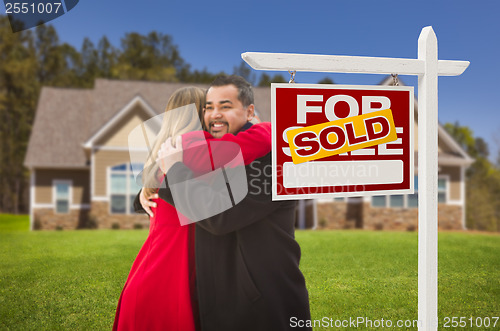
[[250, 112]]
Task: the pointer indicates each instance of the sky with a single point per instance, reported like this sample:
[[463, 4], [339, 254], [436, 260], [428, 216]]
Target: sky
[[213, 34]]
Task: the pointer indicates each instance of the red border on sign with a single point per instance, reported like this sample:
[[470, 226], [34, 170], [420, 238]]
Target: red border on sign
[[284, 115]]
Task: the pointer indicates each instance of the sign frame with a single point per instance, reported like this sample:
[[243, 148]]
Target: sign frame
[[410, 190]]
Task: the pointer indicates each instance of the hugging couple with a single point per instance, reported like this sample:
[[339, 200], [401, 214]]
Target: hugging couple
[[235, 270]]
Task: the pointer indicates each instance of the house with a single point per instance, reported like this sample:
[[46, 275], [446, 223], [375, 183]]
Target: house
[[81, 174]]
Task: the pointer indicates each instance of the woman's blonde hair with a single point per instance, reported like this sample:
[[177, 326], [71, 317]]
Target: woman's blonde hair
[[174, 124]]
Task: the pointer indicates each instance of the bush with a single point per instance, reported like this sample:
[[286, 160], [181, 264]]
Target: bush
[[411, 228], [37, 224], [115, 226], [92, 222]]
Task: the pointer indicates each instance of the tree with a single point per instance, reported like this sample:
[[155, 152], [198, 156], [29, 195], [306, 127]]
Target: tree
[[33, 58], [28, 60], [326, 80], [278, 78], [482, 182], [481, 147], [245, 71], [89, 62], [106, 57], [19, 90], [265, 80], [199, 76], [58, 64], [463, 136], [153, 57]]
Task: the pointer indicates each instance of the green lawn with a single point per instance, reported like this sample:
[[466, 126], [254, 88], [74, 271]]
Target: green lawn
[[72, 279]]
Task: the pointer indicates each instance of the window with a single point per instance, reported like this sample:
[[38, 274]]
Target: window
[[413, 198], [442, 190], [62, 196], [409, 200], [379, 201], [123, 188], [396, 201]]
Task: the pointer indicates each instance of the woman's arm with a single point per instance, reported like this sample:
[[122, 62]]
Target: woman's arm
[[253, 143]]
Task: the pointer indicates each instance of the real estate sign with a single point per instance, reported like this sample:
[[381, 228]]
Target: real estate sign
[[338, 140]]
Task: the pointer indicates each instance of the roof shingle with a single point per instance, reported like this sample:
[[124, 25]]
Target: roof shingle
[[66, 118]]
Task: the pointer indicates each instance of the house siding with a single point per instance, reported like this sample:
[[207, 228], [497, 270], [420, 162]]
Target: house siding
[[343, 215], [455, 190], [104, 159], [80, 185], [118, 135]]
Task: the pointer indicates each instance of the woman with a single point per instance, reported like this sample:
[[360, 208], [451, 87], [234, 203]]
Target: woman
[[159, 293]]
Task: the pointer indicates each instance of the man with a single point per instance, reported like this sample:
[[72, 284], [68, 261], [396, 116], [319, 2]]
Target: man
[[247, 260]]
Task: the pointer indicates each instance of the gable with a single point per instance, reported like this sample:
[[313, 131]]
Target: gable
[[446, 144], [115, 131], [443, 147], [117, 135]]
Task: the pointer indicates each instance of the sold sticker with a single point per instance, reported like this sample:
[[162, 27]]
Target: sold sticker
[[344, 135]]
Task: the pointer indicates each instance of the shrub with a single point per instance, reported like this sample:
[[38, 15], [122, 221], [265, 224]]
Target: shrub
[[92, 222], [37, 224]]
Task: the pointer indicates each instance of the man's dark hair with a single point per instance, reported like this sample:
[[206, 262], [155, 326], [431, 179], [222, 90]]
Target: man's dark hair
[[245, 91]]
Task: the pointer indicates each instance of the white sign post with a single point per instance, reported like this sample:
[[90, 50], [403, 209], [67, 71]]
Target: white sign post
[[427, 67]]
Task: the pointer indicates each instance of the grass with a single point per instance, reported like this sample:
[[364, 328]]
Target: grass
[[10, 222], [72, 279], [374, 275]]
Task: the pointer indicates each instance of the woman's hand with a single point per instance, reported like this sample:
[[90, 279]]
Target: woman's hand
[[168, 155], [146, 202]]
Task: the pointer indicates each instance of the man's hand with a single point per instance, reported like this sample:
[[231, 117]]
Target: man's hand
[[146, 202], [168, 155]]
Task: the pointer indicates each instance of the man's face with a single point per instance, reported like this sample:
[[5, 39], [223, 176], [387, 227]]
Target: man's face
[[224, 113]]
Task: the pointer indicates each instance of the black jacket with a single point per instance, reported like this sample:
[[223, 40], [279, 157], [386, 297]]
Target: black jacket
[[247, 259]]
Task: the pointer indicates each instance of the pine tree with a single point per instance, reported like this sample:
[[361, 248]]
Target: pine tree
[[18, 94]]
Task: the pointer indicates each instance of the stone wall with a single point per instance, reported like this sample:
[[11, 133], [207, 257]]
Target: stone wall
[[105, 220], [450, 217], [97, 217], [46, 219], [333, 215], [343, 215], [402, 219]]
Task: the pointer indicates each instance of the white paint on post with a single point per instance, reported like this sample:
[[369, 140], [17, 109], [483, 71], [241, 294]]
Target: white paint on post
[[32, 198], [348, 64], [427, 181]]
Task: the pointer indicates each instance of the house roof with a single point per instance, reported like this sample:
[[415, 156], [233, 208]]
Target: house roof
[[61, 124], [67, 118], [458, 155]]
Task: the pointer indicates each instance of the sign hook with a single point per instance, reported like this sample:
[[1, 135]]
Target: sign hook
[[395, 80], [292, 76]]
